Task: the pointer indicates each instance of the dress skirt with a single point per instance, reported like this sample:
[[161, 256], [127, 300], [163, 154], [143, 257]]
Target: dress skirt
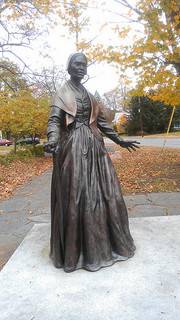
[[89, 221]]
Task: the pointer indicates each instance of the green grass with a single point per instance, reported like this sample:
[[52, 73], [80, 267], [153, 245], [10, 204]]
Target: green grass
[[5, 149], [170, 134]]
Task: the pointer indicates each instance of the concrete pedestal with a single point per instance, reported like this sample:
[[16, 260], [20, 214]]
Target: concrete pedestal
[[146, 287]]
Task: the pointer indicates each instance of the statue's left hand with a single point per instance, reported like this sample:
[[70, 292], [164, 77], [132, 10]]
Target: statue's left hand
[[50, 147], [130, 145]]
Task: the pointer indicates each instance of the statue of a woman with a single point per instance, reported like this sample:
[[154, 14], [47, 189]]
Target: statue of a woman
[[89, 221]]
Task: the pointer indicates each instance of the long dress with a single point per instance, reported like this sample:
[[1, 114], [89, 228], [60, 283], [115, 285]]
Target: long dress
[[89, 221]]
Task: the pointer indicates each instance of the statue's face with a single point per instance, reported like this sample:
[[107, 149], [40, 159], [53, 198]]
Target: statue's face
[[78, 67]]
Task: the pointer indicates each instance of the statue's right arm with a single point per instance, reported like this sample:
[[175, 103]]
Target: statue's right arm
[[55, 125]]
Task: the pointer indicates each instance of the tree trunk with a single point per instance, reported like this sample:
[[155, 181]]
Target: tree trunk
[[15, 145]]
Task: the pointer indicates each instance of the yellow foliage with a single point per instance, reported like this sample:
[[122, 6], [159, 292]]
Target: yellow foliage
[[121, 124], [154, 54], [22, 114]]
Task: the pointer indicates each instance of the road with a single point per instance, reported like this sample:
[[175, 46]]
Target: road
[[153, 142]]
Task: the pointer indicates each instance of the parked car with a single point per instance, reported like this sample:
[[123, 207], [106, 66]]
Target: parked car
[[5, 142], [28, 140], [177, 126]]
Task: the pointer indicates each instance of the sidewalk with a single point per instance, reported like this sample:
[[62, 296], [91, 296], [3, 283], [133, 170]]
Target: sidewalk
[[31, 204]]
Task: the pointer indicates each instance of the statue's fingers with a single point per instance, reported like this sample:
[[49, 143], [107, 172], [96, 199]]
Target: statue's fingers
[[129, 149], [57, 148], [133, 148], [50, 150], [134, 142], [53, 149]]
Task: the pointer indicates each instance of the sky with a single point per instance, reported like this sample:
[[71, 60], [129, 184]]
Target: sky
[[59, 44], [103, 77]]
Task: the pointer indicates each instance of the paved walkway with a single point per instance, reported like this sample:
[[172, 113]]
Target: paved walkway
[[31, 204]]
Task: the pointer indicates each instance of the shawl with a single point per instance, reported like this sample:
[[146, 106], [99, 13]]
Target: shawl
[[64, 99]]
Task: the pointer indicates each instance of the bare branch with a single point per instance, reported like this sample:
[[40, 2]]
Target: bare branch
[[18, 58], [128, 5], [7, 83]]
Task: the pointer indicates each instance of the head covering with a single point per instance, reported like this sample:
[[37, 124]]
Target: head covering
[[72, 56]]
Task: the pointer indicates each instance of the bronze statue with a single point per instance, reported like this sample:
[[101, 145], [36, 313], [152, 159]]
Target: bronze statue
[[89, 221]]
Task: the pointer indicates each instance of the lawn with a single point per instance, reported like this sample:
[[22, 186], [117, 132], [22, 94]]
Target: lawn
[[164, 135]]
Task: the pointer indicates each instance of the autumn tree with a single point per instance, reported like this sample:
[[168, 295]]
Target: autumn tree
[[121, 124], [38, 117], [154, 51], [15, 115], [11, 82], [21, 22], [11, 79], [23, 114], [74, 18], [20, 25]]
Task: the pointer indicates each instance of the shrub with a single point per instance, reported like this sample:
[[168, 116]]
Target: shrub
[[22, 153], [7, 159], [37, 150]]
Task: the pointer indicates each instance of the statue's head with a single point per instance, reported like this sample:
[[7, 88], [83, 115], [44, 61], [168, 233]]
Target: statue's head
[[77, 65]]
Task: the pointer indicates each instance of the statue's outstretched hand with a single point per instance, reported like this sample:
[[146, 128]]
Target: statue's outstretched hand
[[50, 147], [130, 145]]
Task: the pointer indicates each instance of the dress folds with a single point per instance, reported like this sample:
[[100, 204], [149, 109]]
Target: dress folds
[[89, 221]]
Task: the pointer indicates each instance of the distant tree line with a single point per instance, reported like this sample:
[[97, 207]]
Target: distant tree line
[[148, 116]]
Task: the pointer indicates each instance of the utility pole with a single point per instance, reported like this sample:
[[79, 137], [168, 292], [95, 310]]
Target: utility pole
[[140, 114], [170, 121]]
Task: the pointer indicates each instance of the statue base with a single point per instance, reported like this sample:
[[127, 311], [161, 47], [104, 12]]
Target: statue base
[[143, 287]]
